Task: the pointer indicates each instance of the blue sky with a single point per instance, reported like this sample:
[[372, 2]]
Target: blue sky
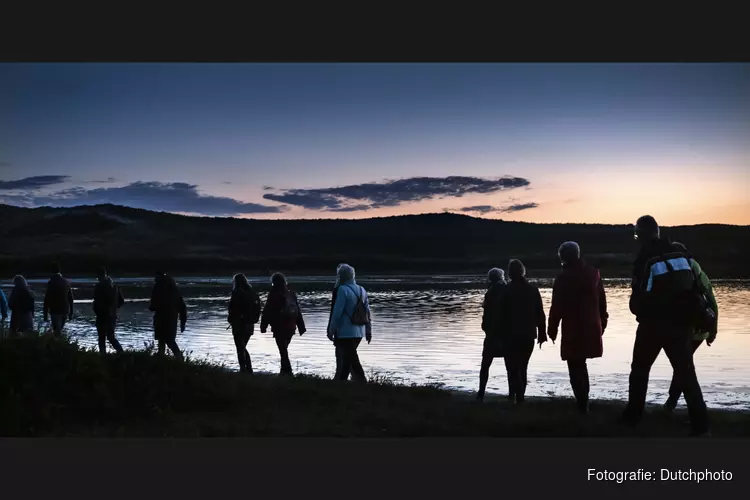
[[592, 142]]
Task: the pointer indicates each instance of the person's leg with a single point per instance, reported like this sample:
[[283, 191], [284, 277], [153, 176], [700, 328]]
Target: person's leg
[[282, 342], [176, 352], [579, 382], [248, 361], [239, 344], [511, 367], [101, 331], [675, 391], [57, 321], [524, 356], [648, 344], [111, 335], [484, 375], [358, 373], [162, 346], [679, 350]]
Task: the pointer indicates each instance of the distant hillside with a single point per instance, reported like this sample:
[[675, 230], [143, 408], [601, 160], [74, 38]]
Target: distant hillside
[[134, 241]]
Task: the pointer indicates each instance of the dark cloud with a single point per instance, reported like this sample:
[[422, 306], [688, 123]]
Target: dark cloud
[[167, 197], [37, 182], [109, 180], [520, 207], [393, 193], [486, 209], [355, 208], [479, 208]]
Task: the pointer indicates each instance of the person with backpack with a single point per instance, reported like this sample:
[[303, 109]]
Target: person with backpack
[[168, 306], [244, 312], [283, 314], [700, 333], [493, 325], [58, 302], [107, 300], [21, 305], [350, 323], [663, 302], [522, 307], [579, 302]]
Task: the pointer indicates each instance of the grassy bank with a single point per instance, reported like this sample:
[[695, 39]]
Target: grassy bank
[[55, 388]]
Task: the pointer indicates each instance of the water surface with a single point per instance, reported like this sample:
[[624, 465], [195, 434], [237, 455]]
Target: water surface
[[427, 330]]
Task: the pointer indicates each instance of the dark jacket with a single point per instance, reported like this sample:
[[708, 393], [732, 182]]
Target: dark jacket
[[522, 306], [244, 306], [579, 302], [21, 305], [59, 297], [167, 303], [107, 299], [276, 300], [651, 307], [493, 321]]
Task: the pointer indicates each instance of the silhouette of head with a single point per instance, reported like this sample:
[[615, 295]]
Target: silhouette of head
[[496, 275], [240, 282], [516, 270], [646, 229], [569, 252], [56, 269], [20, 281], [345, 273], [101, 273], [278, 280]]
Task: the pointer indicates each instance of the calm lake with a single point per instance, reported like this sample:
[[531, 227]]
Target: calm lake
[[427, 330]]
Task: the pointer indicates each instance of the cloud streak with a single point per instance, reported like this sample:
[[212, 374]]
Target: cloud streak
[[31, 183], [486, 209], [392, 193], [168, 197]]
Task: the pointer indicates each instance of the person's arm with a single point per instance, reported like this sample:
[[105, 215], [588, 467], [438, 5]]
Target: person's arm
[[555, 311], [368, 326], [70, 301], [183, 314], [153, 303], [3, 305], [338, 312], [45, 307], [120, 298], [265, 317], [541, 318], [708, 290], [232, 306], [603, 314], [300, 320]]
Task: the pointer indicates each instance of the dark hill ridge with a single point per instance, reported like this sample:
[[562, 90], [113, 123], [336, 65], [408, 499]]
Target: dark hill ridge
[[137, 241]]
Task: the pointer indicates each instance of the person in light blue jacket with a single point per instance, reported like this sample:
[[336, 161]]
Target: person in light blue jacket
[[350, 322]]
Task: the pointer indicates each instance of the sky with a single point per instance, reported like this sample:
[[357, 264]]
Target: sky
[[594, 143]]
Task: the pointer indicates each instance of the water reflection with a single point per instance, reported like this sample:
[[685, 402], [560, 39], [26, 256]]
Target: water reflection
[[428, 331]]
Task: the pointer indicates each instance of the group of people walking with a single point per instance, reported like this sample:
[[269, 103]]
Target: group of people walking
[[671, 297]]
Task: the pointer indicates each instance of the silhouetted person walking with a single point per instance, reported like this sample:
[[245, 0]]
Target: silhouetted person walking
[[107, 300], [168, 306], [526, 322], [244, 312], [58, 302], [283, 314], [21, 305], [663, 301], [700, 334], [579, 302], [494, 327], [350, 322]]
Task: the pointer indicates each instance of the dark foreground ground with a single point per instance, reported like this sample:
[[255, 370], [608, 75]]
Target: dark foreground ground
[[55, 388]]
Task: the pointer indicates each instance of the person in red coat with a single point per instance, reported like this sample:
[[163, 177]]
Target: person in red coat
[[579, 302]]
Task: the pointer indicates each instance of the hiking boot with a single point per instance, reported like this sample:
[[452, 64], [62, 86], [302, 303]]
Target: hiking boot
[[670, 406], [480, 397]]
